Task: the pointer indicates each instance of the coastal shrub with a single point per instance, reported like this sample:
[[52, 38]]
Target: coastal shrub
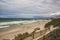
[[18, 37], [21, 36], [54, 22], [36, 29], [34, 32], [54, 35], [25, 35]]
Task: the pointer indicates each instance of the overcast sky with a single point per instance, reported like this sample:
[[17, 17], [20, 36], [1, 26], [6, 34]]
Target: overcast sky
[[29, 8]]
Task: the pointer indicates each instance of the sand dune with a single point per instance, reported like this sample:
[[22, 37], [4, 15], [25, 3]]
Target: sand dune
[[11, 32]]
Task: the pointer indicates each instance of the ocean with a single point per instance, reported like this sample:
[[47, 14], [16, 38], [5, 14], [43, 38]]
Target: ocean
[[7, 22]]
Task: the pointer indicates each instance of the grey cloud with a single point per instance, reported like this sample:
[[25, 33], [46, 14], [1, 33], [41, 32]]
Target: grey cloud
[[40, 7]]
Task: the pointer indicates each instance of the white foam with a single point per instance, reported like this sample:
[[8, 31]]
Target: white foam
[[16, 22], [4, 26]]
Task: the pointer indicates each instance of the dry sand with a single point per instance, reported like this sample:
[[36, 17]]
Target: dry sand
[[11, 32]]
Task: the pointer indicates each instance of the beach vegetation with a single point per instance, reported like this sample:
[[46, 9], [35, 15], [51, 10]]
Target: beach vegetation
[[34, 32], [25, 35], [54, 35], [54, 22], [21, 36]]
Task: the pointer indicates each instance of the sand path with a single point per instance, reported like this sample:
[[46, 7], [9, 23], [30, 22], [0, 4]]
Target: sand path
[[45, 33]]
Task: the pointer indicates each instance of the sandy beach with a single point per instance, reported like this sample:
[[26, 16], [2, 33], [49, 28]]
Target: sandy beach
[[11, 32]]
